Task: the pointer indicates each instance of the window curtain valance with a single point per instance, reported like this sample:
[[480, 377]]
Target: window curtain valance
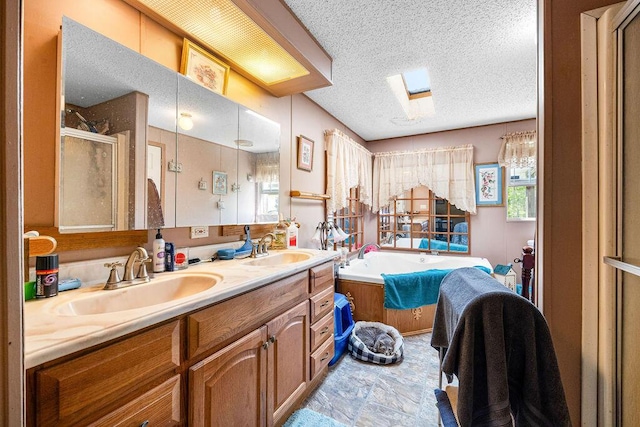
[[348, 166], [518, 150], [268, 167], [447, 171]]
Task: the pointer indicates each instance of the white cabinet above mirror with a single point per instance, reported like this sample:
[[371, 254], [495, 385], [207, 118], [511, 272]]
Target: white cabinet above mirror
[[203, 173]]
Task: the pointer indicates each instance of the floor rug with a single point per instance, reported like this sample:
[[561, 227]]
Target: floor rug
[[308, 418]]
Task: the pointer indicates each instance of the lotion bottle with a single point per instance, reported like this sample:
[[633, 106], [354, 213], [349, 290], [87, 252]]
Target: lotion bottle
[[158, 253], [292, 236]]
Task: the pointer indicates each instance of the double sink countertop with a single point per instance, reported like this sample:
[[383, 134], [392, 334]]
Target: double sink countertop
[[81, 318]]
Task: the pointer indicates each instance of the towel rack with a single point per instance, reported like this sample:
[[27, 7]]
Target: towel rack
[[307, 195]]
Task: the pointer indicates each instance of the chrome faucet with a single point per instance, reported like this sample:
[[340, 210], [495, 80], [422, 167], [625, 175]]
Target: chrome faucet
[[364, 248], [261, 248], [138, 258]]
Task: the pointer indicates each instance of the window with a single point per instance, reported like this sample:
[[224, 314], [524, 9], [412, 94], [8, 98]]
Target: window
[[417, 83], [268, 201], [351, 220], [521, 193], [421, 221]]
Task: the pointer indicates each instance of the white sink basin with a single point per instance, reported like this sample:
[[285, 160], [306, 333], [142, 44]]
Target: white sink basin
[[157, 291], [280, 258]]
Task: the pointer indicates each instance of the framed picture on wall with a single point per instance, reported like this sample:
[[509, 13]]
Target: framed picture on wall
[[489, 184], [219, 183], [305, 153], [203, 68]]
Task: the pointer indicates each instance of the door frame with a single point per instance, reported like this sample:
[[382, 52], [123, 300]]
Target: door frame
[[12, 384], [599, 212]]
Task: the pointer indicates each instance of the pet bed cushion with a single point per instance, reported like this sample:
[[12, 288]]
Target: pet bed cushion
[[360, 351]]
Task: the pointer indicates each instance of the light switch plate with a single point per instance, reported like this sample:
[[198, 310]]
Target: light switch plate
[[199, 232]]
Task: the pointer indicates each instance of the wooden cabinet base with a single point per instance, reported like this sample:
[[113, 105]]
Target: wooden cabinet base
[[367, 300]]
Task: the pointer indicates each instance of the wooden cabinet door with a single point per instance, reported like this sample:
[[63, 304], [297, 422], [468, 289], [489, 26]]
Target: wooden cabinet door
[[229, 387], [288, 360]]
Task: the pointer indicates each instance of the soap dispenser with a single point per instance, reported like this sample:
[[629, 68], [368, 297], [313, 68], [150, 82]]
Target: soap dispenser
[[292, 235], [158, 253]]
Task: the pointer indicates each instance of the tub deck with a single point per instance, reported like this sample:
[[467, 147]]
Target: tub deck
[[367, 303], [363, 285]]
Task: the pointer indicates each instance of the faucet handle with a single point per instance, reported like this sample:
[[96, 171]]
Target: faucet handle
[[114, 277], [142, 272]]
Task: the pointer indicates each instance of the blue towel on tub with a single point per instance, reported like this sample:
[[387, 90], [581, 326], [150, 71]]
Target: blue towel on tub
[[412, 290]]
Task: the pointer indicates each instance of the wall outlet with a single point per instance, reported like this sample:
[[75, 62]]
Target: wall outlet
[[199, 232], [423, 207]]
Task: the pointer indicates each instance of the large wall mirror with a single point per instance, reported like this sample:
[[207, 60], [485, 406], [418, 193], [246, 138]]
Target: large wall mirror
[[143, 147]]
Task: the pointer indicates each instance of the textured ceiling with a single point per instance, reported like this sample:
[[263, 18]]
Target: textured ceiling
[[481, 58]]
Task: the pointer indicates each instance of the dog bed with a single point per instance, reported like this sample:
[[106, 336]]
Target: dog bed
[[360, 351]]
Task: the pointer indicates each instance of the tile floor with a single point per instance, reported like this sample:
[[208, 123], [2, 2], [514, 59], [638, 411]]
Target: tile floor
[[362, 394]]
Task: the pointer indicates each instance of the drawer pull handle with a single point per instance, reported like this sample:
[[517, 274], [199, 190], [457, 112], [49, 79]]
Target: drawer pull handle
[[145, 423], [265, 345], [325, 357], [324, 330], [272, 339], [324, 304]]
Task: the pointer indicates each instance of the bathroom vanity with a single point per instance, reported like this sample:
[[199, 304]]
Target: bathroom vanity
[[245, 351]]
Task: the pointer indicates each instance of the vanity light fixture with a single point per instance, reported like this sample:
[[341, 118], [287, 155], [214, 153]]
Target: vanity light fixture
[[185, 121], [244, 143], [260, 39]]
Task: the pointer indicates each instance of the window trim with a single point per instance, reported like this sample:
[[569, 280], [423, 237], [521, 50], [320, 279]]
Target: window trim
[[354, 213], [530, 183], [388, 221]]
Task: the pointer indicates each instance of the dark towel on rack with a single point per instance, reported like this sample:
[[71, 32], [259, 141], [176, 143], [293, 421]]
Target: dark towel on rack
[[499, 346]]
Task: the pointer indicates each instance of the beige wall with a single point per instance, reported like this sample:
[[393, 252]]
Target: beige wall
[[489, 224]]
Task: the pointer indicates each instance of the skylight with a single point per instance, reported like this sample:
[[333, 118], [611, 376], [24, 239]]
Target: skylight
[[417, 83], [412, 89]]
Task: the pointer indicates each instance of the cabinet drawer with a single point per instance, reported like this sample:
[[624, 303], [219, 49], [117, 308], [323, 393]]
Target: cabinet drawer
[[68, 393], [321, 357], [321, 304], [321, 277], [159, 406], [321, 330], [221, 323]]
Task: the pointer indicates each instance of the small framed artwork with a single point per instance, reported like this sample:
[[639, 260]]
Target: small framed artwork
[[489, 184], [219, 183], [203, 68], [305, 153]]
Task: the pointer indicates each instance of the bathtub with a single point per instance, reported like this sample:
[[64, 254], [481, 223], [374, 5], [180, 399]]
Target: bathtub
[[362, 284]]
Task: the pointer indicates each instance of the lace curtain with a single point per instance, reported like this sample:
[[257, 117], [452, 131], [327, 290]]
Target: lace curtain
[[518, 150], [448, 172], [348, 166], [268, 167]]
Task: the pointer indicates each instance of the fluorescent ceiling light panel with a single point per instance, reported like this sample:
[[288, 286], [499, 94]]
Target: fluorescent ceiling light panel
[[223, 27], [413, 108]]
